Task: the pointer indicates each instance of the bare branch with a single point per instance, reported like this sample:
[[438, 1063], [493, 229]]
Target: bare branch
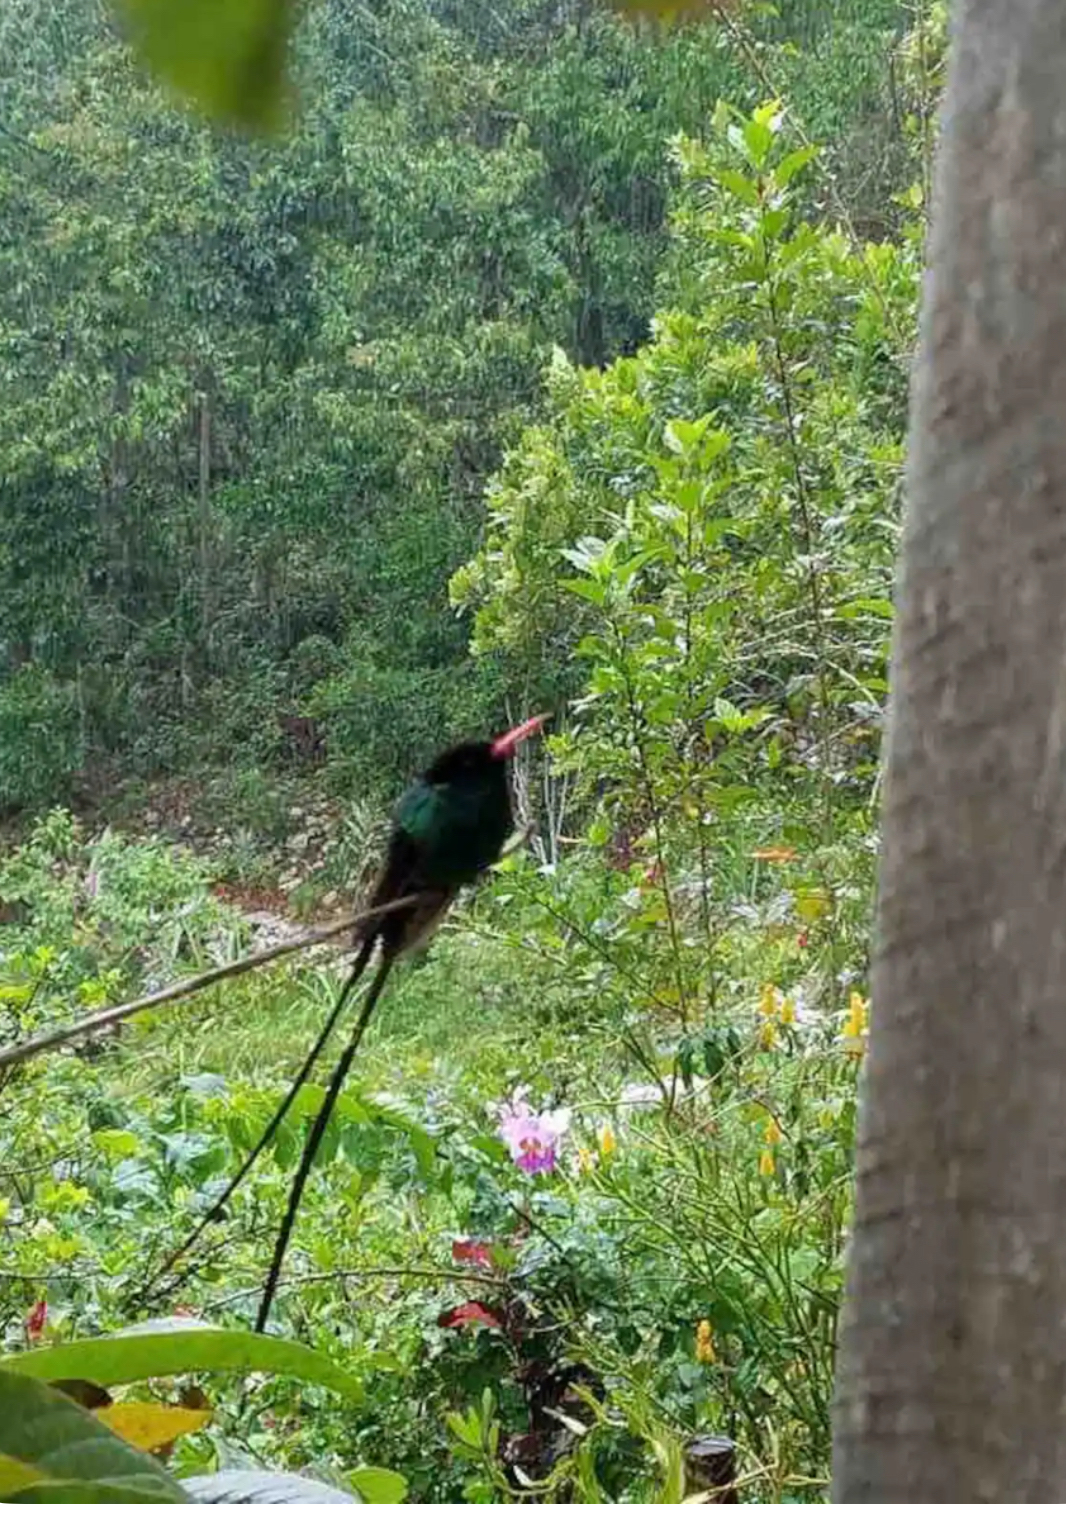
[[41, 1043]]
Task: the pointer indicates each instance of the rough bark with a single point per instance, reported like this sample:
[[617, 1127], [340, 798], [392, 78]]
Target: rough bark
[[952, 1374]]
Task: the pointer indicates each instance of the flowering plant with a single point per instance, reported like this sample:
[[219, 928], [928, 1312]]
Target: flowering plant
[[532, 1138]]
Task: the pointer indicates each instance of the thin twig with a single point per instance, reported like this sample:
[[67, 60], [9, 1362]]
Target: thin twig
[[357, 1274]]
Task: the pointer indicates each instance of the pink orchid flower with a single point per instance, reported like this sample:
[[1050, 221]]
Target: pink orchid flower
[[531, 1137]]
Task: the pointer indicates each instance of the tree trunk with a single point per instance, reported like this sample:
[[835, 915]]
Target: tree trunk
[[952, 1373]]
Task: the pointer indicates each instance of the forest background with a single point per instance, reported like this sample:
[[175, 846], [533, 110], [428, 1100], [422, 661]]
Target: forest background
[[547, 361]]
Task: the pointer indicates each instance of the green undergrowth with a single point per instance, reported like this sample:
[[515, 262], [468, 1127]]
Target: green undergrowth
[[676, 1273]]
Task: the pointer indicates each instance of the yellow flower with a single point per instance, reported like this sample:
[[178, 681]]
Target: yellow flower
[[767, 1036], [856, 1021], [608, 1143], [768, 1001], [811, 904], [766, 1164], [788, 1010], [586, 1160], [705, 1352], [772, 1133]]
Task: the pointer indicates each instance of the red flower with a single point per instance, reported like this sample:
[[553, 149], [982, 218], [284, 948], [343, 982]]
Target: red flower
[[36, 1320], [471, 1314], [803, 939], [477, 1253]]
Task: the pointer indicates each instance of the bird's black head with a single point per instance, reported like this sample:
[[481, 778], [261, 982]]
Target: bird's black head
[[466, 761], [471, 761]]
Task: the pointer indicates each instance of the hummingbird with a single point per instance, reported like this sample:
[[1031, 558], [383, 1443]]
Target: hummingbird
[[448, 828]]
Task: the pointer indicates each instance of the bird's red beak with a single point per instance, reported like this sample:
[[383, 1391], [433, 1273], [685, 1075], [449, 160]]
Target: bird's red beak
[[504, 747]]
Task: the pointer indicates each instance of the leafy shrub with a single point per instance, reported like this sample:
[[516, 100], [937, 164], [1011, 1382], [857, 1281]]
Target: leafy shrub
[[41, 746], [109, 914]]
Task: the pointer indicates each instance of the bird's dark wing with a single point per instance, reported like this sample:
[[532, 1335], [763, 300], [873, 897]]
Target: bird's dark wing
[[401, 875], [419, 814]]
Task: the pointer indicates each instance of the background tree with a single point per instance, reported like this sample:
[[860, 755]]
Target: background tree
[[254, 390]]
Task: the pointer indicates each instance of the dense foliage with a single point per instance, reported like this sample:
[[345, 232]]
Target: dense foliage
[[519, 305], [253, 390]]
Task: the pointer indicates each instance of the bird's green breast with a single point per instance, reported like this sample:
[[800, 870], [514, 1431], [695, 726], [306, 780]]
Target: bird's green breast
[[459, 828]]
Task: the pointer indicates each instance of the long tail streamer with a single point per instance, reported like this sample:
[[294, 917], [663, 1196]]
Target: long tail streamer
[[314, 1139]]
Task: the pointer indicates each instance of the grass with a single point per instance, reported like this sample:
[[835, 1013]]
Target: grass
[[463, 1011]]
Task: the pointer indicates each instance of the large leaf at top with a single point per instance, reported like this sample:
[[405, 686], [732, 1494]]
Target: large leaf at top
[[126, 1357], [226, 56], [255, 1487], [51, 1450]]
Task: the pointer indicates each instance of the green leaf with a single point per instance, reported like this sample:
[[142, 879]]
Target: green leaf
[[308, 1101], [142, 1353], [228, 59], [116, 1144], [716, 530], [882, 607], [792, 163], [466, 1428], [589, 552], [682, 435], [392, 1114], [16, 1475], [89, 1492], [590, 1492], [489, 1145], [753, 139], [774, 222], [379, 1487], [593, 646], [585, 588], [785, 295], [739, 184], [667, 1451], [53, 1451], [665, 12]]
